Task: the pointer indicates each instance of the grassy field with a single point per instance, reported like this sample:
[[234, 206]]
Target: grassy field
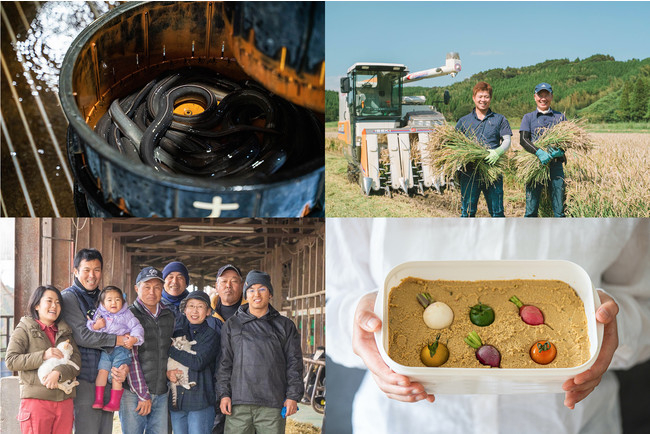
[[612, 181], [622, 127]]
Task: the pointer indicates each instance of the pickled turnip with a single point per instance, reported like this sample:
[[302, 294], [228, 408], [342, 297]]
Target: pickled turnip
[[485, 354], [437, 315], [434, 354]]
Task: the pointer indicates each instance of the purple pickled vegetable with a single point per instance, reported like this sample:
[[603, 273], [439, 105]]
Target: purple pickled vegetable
[[488, 355], [485, 354]]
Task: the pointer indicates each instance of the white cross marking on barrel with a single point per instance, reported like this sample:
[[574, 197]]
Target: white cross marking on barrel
[[216, 206]]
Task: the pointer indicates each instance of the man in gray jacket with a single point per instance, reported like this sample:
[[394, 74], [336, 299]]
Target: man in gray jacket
[[79, 301], [261, 363]]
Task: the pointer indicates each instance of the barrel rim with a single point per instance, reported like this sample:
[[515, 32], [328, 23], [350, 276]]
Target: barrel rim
[[88, 136]]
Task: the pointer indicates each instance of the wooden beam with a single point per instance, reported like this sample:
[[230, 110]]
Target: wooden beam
[[214, 234], [27, 268], [199, 254], [193, 249], [62, 252], [265, 224], [47, 232]]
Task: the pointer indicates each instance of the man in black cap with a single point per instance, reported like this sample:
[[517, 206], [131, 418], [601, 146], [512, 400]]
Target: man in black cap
[[225, 304], [268, 345], [533, 125], [144, 403], [229, 292]]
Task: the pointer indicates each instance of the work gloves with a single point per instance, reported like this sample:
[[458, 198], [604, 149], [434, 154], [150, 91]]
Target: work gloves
[[493, 156], [543, 156], [556, 153]]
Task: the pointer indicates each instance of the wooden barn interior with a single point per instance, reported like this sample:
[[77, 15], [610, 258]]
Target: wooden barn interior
[[290, 250]]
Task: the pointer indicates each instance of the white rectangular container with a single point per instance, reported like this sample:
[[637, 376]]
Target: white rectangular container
[[494, 380]]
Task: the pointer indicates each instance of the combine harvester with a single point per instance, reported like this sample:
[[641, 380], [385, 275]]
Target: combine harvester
[[385, 131]]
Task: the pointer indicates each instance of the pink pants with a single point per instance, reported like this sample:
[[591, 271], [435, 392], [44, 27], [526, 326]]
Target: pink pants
[[38, 416]]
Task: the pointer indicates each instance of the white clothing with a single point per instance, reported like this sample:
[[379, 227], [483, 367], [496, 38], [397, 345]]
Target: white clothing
[[614, 252]]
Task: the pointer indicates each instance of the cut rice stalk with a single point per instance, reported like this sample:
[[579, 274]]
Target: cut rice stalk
[[565, 136], [449, 150]]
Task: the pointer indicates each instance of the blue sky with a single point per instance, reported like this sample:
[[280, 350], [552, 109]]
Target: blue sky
[[486, 34]]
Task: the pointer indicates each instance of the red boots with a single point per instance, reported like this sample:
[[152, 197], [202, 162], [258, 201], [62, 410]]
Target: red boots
[[113, 404], [99, 397]]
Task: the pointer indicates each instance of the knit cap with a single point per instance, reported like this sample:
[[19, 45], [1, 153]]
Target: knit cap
[[257, 276], [178, 267]]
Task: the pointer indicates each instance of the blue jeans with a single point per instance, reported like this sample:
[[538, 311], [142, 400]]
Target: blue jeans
[[153, 423], [555, 189], [118, 357], [470, 190], [195, 422]]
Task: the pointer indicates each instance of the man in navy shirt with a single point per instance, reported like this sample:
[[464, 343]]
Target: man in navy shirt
[[533, 126], [493, 131]]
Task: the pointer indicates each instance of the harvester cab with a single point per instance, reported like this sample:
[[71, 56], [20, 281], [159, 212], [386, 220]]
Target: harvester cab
[[384, 130]]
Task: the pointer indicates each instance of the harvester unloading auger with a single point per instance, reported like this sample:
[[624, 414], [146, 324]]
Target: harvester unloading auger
[[385, 132]]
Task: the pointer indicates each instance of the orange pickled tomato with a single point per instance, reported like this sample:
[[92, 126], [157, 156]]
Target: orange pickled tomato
[[543, 352]]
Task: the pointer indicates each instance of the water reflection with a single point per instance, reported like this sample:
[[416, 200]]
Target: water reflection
[[50, 35]]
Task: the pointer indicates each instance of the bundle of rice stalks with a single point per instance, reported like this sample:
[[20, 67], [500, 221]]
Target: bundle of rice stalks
[[567, 135], [529, 170], [450, 150]]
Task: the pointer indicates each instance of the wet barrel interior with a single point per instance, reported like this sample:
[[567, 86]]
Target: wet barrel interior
[[279, 45]]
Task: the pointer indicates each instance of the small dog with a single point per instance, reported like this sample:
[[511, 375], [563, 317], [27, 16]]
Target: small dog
[[48, 366]]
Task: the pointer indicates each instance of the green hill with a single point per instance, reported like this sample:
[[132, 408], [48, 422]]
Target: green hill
[[598, 88]]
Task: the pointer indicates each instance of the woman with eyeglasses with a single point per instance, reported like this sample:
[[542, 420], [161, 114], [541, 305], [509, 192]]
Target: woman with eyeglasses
[[192, 410]]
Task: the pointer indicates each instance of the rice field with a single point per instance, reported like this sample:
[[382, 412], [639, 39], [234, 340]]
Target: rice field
[[612, 180]]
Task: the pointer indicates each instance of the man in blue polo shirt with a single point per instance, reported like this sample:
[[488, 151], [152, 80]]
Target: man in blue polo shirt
[[493, 131], [533, 126]]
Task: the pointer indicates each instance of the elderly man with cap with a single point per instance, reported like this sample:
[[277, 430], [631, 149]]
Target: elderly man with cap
[[225, 302], [229, 292], [144, 403], [533, 125], [176, 278], [261, 363]]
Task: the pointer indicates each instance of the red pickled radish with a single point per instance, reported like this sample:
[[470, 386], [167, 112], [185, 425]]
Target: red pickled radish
[[531, 315]]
